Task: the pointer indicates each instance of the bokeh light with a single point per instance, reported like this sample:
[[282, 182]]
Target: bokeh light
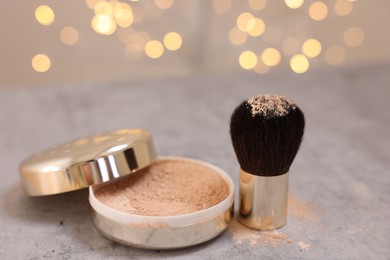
[[247, 60], [297, 46], [245, 22], [294, 41], [294, 4], [237, 37], [44, 15], [257, 5], [343, 7], [172, 41], [222, 6], [103, 8], [69, 35], [92, 3], [318, 11], [299, 63], [163, 4], [103, 24], [335, 55], [271, 57], [258, 28], [41, 63], [291, 45], [311, 48], [123, 15], [154, 49], [353, 36]]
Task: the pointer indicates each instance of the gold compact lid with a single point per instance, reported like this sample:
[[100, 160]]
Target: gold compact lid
[[87, 161]]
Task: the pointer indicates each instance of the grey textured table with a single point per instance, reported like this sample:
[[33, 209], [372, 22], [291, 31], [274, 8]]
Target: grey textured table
[[340, 198]]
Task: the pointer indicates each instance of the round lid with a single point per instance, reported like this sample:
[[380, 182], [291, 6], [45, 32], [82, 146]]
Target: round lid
[[86, 161]]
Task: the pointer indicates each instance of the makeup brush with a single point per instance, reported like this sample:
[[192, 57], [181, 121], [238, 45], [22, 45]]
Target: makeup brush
[[266, 133]]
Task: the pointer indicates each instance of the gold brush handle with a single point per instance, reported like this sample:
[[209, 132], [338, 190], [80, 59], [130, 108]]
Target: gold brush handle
[[263, 201]]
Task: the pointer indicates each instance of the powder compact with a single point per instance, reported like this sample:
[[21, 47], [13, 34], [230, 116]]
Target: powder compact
[[136, 198]]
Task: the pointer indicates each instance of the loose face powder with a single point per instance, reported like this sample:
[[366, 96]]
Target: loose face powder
[[168, 187]]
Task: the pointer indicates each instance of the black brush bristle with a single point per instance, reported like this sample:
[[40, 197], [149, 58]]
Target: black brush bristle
[[266, 143]]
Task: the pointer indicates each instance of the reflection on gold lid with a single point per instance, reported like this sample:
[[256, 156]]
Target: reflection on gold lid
[[87, 161]]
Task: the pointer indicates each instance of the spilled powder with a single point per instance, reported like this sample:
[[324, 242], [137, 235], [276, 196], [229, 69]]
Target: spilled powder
[[361, 191], [168, 187], [302, 212], [303, 245], [300, 209], [242, 234], [270, 105]]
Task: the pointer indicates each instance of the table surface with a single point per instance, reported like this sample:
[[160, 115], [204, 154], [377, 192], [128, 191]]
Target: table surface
[[339, 202]]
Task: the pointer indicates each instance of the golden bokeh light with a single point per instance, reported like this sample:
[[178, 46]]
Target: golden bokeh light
[[260, 67], [115, 5], [41, 63], [245, 22], [163, 4], [294, 4], [69, 35], [103, 8], [125, 23], [123, 15], [353, 36], [92, 3], [291, 45], [257, 5], [44, 15], [335, 55], [343, 7], [237, 37], [318, 11], [172, 41], [247, 60], [258, 28], [271, 57], [118, 7], [154, 49], [222, 6], [103, 24], [299, 63], [311, 48]]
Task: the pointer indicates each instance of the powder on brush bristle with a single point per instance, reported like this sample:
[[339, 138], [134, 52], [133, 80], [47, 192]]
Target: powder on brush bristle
[[270, 105]]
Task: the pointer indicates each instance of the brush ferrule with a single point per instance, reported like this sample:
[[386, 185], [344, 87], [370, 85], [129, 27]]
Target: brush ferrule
[[263, 201]]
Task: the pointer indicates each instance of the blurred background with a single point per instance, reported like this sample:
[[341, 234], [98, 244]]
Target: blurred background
[[73, 41]]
